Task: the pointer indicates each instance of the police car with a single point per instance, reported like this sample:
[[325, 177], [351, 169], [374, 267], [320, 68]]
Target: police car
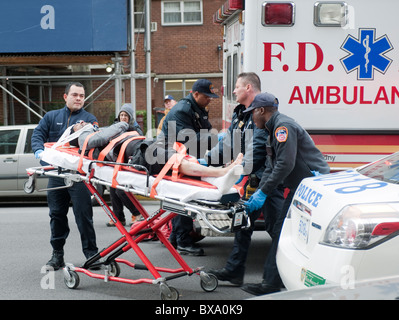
[[343, 227]]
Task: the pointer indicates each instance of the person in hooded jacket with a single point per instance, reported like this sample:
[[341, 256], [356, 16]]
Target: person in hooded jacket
[[119, 199]]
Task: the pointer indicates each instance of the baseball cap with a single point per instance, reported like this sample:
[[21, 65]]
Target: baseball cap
[[168, 97], [263, 100], [204, 86]]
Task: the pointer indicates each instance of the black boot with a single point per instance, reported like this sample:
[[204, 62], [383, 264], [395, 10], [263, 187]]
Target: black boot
[[57, 260]]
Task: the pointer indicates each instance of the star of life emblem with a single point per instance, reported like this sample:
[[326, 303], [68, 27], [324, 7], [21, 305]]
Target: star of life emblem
[[366, 54]]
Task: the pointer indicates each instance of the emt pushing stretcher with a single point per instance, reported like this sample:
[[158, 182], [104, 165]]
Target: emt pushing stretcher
[[124, 160]]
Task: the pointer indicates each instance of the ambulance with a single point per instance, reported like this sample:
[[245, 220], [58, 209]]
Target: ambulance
[[333, 65]]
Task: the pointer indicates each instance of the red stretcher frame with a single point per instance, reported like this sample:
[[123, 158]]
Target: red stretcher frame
[[131, 239]]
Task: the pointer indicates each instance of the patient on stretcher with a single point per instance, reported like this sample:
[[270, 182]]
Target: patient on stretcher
[[222, 177]]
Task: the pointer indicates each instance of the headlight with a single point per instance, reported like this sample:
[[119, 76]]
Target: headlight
[[361, 226]]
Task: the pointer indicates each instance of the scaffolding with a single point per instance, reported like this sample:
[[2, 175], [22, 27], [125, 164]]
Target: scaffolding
[[115, 79]]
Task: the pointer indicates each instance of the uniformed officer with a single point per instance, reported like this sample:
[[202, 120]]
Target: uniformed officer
[[292, 156], [188, 122], [243, 136]]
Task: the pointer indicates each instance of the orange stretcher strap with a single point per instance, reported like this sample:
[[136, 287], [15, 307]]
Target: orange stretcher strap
[[174, 163], [80, 164], [120, 159], [112, 143]]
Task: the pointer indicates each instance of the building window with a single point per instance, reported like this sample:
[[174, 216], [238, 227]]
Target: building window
[[178, 88], [181, 13], [139, 16]]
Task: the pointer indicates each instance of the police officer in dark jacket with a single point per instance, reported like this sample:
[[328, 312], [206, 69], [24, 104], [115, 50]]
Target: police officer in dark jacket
[[243, 136], [187, 122], [292, 156], [50, 129]]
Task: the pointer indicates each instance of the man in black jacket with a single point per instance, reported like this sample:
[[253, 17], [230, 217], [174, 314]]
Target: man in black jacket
[[243, 136], [292, 156], [187, 122]]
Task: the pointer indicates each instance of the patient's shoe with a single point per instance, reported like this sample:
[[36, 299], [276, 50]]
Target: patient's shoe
[[190, 250], [112, 224]]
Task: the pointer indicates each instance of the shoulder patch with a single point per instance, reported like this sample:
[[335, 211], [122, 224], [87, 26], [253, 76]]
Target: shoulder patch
[[281, 134]]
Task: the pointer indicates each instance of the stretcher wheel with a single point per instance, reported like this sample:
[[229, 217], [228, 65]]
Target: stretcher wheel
[[172, 294], [71, 281], [29, 186], [115, 270], [209, 282]]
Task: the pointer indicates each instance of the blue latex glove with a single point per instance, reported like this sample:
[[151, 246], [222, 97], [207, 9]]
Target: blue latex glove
[[38, 153], [316, 173], [256, 201], [202, 162], [221, 135]]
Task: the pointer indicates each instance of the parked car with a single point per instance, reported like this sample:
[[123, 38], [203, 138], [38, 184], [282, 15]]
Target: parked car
[[15, 156], [342, 227]]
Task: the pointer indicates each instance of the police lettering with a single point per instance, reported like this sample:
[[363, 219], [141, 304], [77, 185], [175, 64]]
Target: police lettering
[[308, 195]]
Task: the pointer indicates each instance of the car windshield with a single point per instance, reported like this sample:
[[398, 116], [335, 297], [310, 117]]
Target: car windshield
[[386, 169]]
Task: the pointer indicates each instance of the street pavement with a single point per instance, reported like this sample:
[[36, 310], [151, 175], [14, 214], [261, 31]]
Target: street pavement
[[25, 248]]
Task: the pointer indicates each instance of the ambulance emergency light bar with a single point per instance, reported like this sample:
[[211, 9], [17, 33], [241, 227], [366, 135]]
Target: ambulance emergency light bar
[[326, 14]]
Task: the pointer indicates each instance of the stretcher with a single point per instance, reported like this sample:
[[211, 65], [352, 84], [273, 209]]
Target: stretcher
[[177, 195]]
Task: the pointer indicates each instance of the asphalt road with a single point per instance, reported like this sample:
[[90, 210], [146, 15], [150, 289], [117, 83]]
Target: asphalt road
[[25, 248]]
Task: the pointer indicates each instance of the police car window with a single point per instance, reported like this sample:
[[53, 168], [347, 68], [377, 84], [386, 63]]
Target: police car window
[[8, 141], [386, 169], [28, 145]]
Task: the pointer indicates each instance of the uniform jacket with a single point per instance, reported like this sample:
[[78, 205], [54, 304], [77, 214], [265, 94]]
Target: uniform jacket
[[292, 155], [242, 136], [55, 122], [188, 123]]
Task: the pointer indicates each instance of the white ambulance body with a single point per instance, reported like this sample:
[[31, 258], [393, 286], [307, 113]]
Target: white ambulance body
[[333, 65]]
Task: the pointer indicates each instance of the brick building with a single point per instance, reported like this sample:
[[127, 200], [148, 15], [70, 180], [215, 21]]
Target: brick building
[[185, 46]]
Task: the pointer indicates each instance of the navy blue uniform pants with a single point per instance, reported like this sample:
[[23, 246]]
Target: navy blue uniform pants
[[119, 200], [270, 272], [242, 239], [58, 202]]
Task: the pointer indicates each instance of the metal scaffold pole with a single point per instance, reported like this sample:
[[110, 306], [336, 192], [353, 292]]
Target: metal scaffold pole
[[148, 65]]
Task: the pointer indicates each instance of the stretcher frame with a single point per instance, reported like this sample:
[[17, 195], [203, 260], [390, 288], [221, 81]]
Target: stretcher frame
[[169, 208]]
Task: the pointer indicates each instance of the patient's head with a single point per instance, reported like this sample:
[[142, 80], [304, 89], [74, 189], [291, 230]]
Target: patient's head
[[79, 125]]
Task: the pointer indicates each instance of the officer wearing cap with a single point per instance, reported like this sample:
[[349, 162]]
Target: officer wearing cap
[[169, 102], [189, 116], [187, 122], [293, 156]]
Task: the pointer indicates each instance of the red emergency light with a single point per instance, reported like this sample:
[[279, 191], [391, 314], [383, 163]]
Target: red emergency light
[[235, 4], [278, 14], [227, 9]]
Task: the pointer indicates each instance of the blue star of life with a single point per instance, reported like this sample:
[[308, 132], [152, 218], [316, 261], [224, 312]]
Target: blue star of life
[[366, 54]]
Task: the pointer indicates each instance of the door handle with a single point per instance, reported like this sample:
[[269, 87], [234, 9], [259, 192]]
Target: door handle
[[9, 160]]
